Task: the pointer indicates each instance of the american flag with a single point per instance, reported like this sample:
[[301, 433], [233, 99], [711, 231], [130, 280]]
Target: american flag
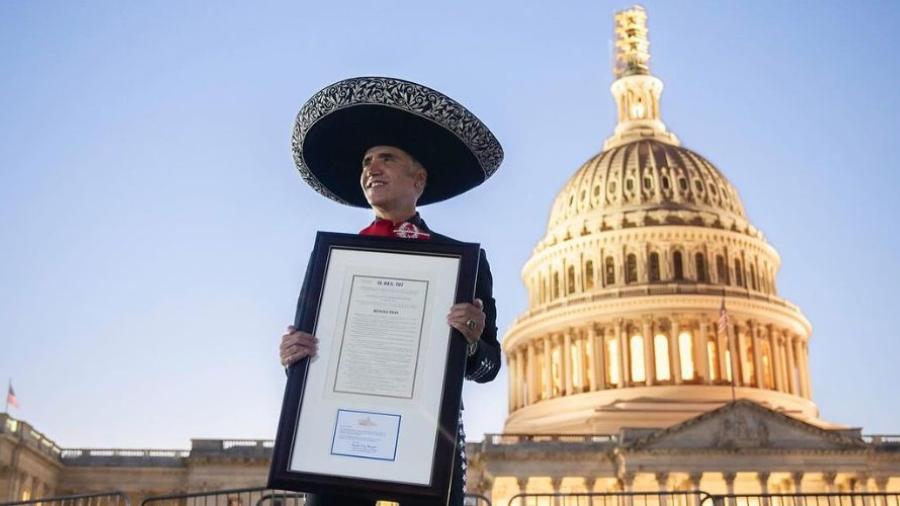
[[11, 397], [724, 320]]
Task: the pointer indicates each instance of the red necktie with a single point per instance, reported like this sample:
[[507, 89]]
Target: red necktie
[[386, 228]]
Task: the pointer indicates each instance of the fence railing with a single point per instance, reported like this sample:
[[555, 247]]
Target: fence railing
[[234, 497], [829, 499], [97, 499], [692, 498]]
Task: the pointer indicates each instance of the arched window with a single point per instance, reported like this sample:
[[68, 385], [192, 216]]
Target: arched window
[[678, 266], [752, 276], [653, 267], [555, 285], [610, 271], [636, 348], [721, 270], [631, 268], [612, 362], [686, 354], [661, 357], [700, 266], [570, 279], [589, 275], [738, 273]]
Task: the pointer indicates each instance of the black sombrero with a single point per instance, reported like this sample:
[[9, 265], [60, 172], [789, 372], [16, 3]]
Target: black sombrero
[[339, 123]]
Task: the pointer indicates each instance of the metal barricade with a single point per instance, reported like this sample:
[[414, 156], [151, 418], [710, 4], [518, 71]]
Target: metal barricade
[[256, 497], [825, 499], [688, 498], [114, 498], [259, 496]]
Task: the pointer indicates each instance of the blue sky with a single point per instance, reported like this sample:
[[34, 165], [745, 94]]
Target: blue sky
[[155, 231]]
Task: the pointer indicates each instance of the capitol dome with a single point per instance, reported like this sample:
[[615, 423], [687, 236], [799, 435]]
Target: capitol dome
[[647, 182], [652, 298]]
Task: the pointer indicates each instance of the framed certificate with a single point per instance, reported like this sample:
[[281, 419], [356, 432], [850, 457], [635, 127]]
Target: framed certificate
[[374, 414]]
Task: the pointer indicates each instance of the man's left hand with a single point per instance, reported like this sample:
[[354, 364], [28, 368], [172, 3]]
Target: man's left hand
[[468, 319]]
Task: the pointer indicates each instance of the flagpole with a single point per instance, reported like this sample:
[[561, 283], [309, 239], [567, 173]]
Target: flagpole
[[8, 388]]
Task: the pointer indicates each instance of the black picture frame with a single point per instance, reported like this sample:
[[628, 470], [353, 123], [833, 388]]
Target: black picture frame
[[281, 476]]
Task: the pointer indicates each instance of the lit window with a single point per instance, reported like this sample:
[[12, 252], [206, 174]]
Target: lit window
[[610, 271], [612, 361], [577, 371], [637, 359], [686, 353], [728, 374], [570, 280], [661, 359], [712, 354], [588, 275]]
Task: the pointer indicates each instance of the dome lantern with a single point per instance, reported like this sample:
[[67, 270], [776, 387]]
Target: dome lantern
[[637, 92]]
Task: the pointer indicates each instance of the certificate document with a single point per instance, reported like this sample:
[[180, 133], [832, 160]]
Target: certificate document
[[381, 336], [374, 414]]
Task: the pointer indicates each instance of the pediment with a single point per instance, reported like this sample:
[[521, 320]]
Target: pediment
[[743, 425]]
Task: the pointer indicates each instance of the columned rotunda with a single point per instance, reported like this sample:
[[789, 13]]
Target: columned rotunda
[[656, 354], [645, 243]]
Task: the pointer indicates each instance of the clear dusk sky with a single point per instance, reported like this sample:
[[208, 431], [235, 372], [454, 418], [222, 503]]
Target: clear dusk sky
[[154, 230]]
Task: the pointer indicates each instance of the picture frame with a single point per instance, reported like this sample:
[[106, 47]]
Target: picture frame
[[375, 413]]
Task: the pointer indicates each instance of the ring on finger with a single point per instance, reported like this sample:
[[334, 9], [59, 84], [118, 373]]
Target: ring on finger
[[471, 324]]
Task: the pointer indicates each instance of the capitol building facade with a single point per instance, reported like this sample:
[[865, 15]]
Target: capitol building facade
[[655, 354]]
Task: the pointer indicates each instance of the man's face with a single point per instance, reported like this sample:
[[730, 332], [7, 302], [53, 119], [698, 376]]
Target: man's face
[[391, 178]]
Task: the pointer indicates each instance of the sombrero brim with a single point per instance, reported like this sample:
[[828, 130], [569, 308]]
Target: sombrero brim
[[340, 123]]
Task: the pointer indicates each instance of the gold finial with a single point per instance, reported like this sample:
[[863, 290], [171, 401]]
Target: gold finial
[[632, 44]]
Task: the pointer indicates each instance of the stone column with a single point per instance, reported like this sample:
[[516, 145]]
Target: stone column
[[662, 487], [512, 379], [627, 480], [567, 361], [775, 358], [729, 484], [734, 347], [533, 385], [694, 482], [675, 351], [791, 364], [798, 363], [520, 377], [829, 478], [522, 484], [582, 367], [757, 356], [649, 352], [594, 380], [806, 378], [797, 482], [548, 368], [763, 479], [603, 382], [624, 365], [723, 345], [700, 341], [556, 484]]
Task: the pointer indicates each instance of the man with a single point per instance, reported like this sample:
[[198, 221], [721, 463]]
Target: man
[[392, 119]]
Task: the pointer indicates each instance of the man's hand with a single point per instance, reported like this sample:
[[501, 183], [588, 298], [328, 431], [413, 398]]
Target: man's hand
[[468, 319], [296, 345]]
